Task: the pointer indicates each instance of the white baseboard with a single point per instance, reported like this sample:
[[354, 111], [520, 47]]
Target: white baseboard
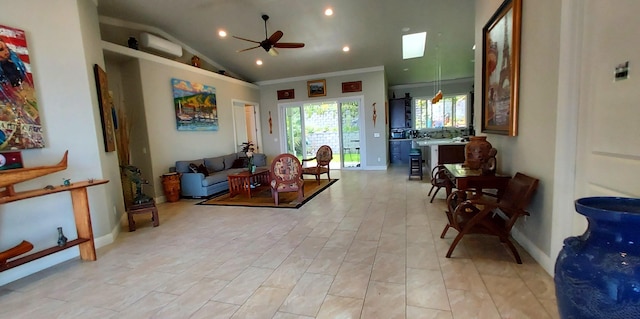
[[375, 168], [543, 259]]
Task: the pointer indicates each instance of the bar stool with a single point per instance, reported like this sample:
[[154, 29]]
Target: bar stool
[[415, 162]]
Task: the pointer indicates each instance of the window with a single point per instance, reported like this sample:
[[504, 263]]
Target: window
[[450, 111]]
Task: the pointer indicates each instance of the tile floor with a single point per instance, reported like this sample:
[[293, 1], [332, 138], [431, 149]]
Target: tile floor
[[367, 247]]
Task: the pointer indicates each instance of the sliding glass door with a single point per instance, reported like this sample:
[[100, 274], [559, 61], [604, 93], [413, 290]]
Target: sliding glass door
[[308, 126]]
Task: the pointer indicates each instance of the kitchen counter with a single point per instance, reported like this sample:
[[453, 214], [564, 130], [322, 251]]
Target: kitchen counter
[[444, 141]]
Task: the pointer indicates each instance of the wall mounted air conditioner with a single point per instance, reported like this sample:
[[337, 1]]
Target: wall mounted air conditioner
[[153, 42]]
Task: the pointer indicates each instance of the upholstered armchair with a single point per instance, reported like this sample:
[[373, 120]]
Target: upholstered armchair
[[286, 176], [322, 158]]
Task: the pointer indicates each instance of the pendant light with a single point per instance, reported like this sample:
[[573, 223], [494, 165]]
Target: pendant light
[[438, 96]]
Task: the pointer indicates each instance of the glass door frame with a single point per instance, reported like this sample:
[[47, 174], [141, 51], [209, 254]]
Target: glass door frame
[[339, 101]]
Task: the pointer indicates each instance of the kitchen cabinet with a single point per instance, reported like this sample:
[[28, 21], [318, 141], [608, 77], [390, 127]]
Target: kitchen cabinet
[[400, 113], [399, 151], [445, 154]]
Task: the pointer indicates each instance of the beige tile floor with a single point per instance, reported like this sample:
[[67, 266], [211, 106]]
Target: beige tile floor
[[368, 247]]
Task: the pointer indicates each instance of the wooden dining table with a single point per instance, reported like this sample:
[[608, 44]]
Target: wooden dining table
[[462, 177]]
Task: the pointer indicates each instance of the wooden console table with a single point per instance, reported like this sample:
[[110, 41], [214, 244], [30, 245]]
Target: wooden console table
[[241, 182], [464, 178], [81, 214]]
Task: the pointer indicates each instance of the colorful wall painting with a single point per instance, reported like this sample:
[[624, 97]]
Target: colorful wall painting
[[195, 106], [19, 116]]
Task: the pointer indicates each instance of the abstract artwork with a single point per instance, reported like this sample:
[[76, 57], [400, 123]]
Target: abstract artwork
[[19, 116], [195, 106]]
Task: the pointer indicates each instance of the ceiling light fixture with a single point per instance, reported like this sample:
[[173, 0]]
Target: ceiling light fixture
[[259, 62], [413, 45], [406, 29], [222, 33], [328, 12], [345, 49]]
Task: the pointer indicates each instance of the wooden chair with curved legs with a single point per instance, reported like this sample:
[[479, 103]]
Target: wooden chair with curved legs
[[286, 176], [439, 179], [322, 158], [490, 216]]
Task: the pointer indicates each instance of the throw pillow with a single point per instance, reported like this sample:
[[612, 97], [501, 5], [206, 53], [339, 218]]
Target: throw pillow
[[240, 162], [193, 168], [203, 169]]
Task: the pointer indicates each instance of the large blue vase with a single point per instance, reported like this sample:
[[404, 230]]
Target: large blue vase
[[597, 275]]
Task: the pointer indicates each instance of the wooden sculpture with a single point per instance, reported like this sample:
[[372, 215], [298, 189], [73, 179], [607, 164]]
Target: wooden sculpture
[[15, 251]]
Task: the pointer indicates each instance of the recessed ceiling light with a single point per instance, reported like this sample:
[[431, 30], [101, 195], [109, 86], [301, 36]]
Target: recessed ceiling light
[[474, 47], [222, 33], [405, 69], [406, 29], [259, 62], [328, 12], [345, 49], [413, 45]]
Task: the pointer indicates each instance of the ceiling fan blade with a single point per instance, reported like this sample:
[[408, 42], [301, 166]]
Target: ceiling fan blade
[[289, 45], [275, 37], [246, 39], [247, 49]]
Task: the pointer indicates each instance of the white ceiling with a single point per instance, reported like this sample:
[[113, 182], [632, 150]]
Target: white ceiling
[[372, 29]]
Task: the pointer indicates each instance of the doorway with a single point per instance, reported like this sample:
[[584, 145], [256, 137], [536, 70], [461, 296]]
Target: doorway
[[246, 122], [307, 126]]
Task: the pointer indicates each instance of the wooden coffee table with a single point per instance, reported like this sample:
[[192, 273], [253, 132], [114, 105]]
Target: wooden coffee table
[[240, 183]]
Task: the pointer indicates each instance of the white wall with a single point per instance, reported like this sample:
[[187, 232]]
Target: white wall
[[373, 90], [62, 61], [532, 150], [166, 144]]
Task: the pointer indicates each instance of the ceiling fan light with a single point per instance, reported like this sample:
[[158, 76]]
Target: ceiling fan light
[[273, 52]]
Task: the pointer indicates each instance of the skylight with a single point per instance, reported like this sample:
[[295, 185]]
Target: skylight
[[413, 45]]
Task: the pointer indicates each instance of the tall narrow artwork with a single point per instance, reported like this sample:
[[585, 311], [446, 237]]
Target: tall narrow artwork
[[195, 106], [19, 116]]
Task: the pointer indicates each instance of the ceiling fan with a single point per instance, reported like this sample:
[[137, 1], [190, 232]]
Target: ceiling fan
[[270, 44]]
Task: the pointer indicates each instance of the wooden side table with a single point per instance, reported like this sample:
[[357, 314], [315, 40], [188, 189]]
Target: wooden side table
[[149, 207], [240, 183]]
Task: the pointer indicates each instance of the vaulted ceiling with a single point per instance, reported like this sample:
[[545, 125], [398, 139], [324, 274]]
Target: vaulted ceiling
[[372, 29]]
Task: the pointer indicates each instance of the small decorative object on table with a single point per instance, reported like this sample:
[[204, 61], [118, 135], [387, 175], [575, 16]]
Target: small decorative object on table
[[62, 240], [477, 152], [66, 182]]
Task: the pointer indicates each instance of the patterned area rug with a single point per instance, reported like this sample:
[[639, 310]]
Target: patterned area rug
[[261, 196]]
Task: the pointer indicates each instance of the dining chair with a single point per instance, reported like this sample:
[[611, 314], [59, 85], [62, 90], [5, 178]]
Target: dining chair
[[322, 159], [439, 179], [488, 215]]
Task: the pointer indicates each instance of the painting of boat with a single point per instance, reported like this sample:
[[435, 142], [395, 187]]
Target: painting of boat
[[195, 106], [18, 175]]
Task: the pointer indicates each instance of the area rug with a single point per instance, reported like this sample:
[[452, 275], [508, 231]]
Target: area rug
[[262, 196]]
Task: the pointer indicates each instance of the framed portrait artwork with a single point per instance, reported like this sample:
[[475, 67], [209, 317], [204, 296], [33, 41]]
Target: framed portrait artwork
[[501, 69], [105, 105], [317, 88]]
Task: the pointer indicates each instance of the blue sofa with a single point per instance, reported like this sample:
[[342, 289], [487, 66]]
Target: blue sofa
[[197, 185]]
